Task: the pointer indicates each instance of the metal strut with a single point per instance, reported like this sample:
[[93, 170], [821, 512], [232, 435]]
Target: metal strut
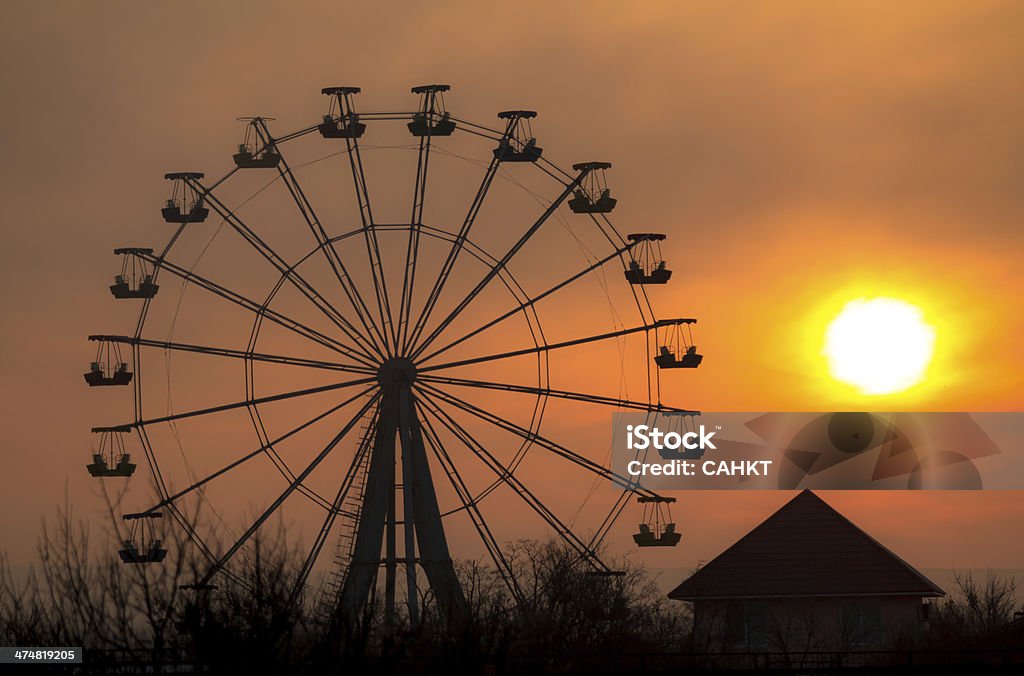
[[421, 516], [288, 271], [386, 330], [428, 108], [222, 561], [500, 265], [458, 244]]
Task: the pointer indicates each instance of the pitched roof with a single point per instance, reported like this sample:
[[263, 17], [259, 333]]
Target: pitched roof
[[805, 549]]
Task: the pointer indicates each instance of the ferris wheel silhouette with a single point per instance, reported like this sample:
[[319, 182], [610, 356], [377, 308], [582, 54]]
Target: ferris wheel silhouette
[[389, 322]]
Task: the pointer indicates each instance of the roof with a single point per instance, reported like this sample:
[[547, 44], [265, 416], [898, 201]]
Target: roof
[[806, 549], [1016, 626]]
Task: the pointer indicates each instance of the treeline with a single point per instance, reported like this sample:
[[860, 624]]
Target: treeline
[[124, 614], [567, 619]]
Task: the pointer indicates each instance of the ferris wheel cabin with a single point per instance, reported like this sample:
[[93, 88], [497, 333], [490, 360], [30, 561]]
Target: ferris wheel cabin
[[99, 467], [248, 158], [99, 375], [679, 351], [257, 150], [122, 287], [130, 553], [518, 143], [341, 121], [111, 460], [689, 359], [108, 369], [431, 119], [142, 544], [437, 124], [593, 196], [135, 280], [185, 205], [647, 265], [657, 528]]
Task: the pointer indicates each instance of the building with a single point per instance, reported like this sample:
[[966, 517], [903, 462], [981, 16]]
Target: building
[[805, 579]]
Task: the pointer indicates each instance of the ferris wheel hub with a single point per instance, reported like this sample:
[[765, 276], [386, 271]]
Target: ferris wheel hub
[[397, 371]]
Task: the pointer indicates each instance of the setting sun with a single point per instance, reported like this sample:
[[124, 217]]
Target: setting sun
[[879, 345]]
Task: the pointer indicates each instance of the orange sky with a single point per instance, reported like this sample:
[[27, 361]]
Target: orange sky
[[798, 154]]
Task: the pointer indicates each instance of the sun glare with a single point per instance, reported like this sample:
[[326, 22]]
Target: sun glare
[[879, 345]]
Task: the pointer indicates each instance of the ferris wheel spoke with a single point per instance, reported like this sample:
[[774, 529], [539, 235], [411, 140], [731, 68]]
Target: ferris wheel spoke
[[474, 209], [252, 306], [456, 249], [234, 354], [222, 561], [555, 346], [412, 248], [288, 271], [501, 264], [347, 481], [171, 499], [386, 329], [348, 286], [478, 129], [161, 487], [609, 520], [616, 402], [509, 478], [174, 417], [582, 461], [501, 564], [533, 301]]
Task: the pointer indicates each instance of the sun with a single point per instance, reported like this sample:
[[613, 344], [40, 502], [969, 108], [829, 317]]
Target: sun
[[879, 345]]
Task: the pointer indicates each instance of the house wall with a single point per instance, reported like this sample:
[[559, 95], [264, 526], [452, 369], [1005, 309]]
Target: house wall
[[793, 625]]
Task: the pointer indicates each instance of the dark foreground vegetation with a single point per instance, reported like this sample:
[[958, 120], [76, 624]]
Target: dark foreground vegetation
[[136, 619]]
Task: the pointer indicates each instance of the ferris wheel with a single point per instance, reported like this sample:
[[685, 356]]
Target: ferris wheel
[[396, 374]]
